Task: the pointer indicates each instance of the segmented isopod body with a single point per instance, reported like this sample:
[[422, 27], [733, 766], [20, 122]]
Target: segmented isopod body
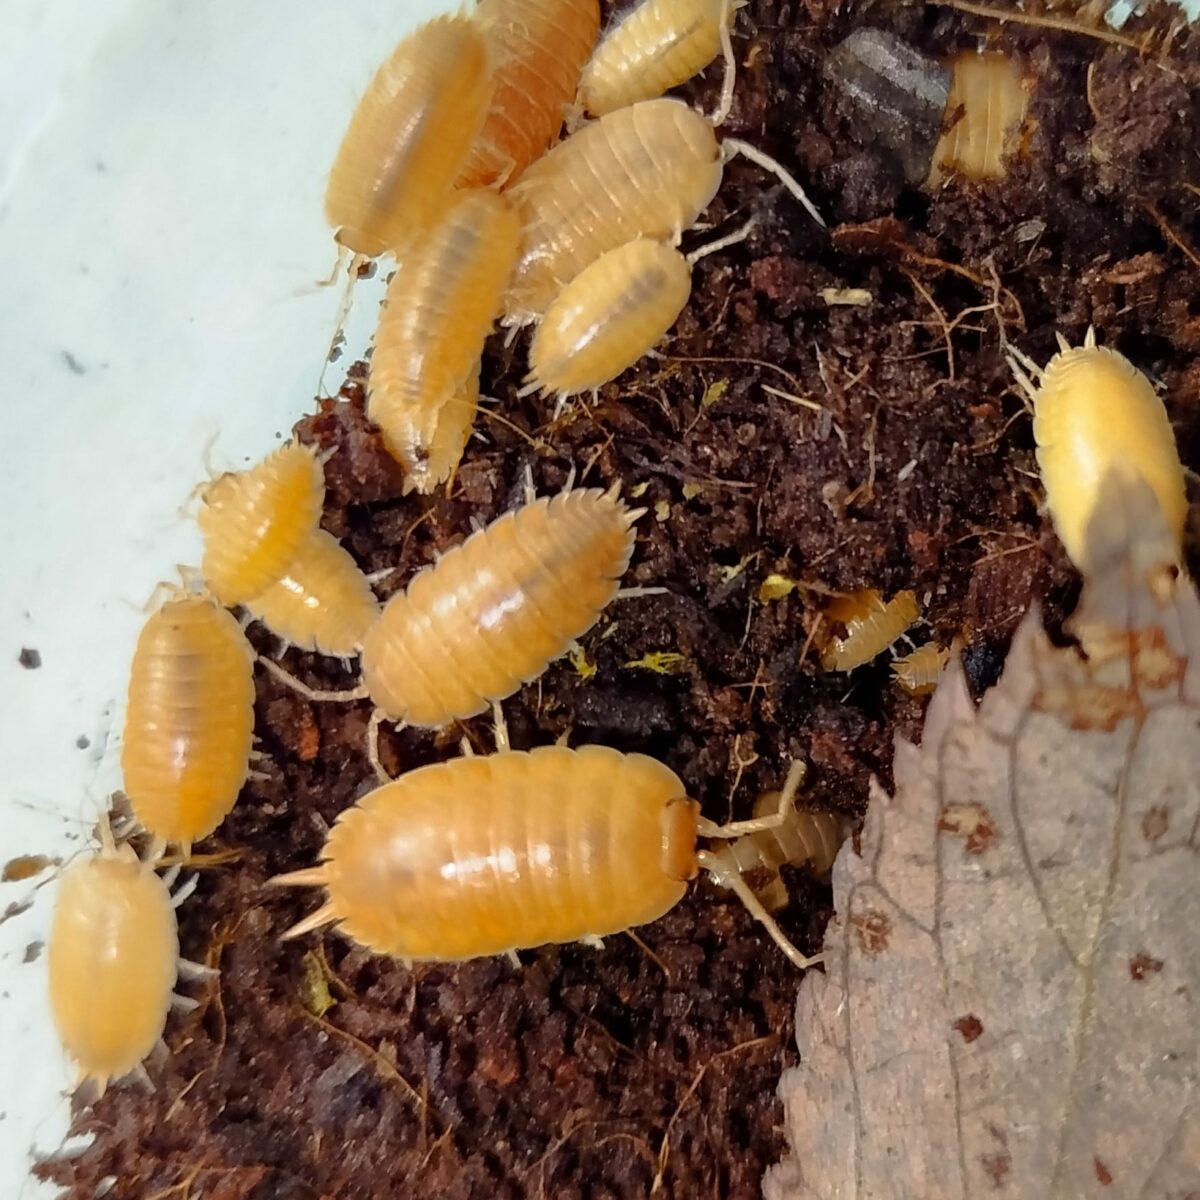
[[431, 458], [113, 962], [644, 171], [254, 521], [496, 610], [871, 626], [440, 306], [189, 720], [322, 603], [1094, 416], [805, 839], [987, 106], [653, 48], [409, 137], [918, 673], [538, 48], [608, 316]]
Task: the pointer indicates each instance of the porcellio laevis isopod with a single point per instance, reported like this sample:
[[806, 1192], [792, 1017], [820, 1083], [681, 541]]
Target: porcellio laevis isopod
[[871, 625], [483, 855]]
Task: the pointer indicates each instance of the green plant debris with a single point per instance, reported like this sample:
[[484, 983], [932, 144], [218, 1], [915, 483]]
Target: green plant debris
[[775, 587], [638, 490], [315, 989], [713, 393], [662, 510], [661, 662], [730, 573], [585, 668], [692, 490]]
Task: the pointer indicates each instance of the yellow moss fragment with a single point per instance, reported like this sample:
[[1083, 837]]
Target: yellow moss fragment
[[584, 667], [314, 991], [692, 490], [713, 393], [661, 662], [775, 587]]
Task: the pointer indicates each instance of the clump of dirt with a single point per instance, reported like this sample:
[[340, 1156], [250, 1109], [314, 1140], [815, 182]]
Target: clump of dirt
[[842, 446]]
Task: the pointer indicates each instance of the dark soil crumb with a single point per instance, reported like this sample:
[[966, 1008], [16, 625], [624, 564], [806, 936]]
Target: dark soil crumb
[[25, 866], [33, 952], [894, 452], [29, 659]]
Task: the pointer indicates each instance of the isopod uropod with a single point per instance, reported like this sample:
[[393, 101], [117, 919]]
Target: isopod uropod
[[656, 46], [493, 612], [1096, 415], [570, 844], [537, 48], [871, 626], [323, 602], [113, 963], [440, 306], [189, 721], [254, 521], [409, 137]]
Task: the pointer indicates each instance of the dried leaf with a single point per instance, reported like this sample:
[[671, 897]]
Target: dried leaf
[[1012, 990]]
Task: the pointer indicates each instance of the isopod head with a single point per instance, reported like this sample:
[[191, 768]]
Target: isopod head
[[113, 962], [253, 522]]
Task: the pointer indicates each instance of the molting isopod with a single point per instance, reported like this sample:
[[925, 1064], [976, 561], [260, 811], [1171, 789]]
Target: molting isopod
[[1096, 415], [496, 610], [440, 306], [323, 602], [654, 47], [871, 626], [538, 48], [569, 844], [254, 521], [189, 720], [409, 137]]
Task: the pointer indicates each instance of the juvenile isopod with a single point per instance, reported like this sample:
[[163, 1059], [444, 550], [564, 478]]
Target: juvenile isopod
[[804, 839], [323, 602], [254, 521], [646, 171], [440, 306], [493, 612], [113, 963], [409, 137], [1095, 415], [538, 48], [189, 720], [918, 673], [870, 625], [986, 106], [485, 855], [656, 46]]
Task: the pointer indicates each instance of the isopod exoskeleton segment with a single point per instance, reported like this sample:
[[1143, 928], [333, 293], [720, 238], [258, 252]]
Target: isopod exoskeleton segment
[[538, 48], [409, 137], [870, 626], [254, 521], [189, 720]]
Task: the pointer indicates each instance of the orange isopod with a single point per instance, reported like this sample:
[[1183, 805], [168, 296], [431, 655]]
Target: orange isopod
[[189, 720], [608, 316], [253, 522], [918, 673], [487, 855], [538, 48], [113, 963], [440, 307], [871, 626], [323, 602], [656, 46], [409, 137], [494, 611]]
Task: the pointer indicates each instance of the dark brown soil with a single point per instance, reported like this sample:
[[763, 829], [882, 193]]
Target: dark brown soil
[[904, 460]]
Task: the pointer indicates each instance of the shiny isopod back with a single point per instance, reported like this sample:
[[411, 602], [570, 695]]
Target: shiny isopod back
[[409, 137], [253, 522], [189, 720], [538, 48], [492, 613]]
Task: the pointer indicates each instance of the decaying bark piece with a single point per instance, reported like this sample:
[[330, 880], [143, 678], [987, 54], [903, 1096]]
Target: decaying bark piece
[[1012, 998]]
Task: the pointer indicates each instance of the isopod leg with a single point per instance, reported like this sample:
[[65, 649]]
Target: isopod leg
[[725, 106], [732, 146], [193, 970], [377, 719], [185, 891], [634, 592], [500, 727], [787, 798], [723, 243], [735, 883], [314, 694]]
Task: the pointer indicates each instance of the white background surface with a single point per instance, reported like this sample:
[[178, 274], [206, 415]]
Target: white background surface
[[162, 169]]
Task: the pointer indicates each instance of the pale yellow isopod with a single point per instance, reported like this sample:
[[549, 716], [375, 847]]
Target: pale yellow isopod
[[918, 673], [323, 602], [870, 626], [655, 46], [113, 963], [189, 720], [409, 137], [537, 48], [440, 306], [1096, 416], [986, 106], [253, 522], [488, 855]]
